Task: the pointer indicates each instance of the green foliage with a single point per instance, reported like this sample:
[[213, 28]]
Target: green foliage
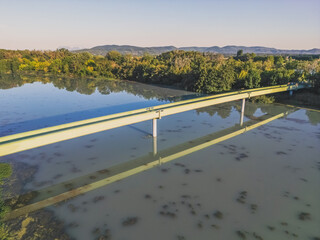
[[263, 99], [114, 56], [252, 79], [5, 172], [239, 53], [3, 210], [4, 66], [5, 233], [278, 76], [316, 81], [219, 79], [278, 60], [191, 70]]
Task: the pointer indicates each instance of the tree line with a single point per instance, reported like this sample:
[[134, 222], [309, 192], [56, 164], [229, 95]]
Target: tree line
[[190, 70]]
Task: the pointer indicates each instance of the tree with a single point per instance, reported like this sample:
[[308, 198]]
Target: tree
[[240, 53], [114, 56], [252, 79]]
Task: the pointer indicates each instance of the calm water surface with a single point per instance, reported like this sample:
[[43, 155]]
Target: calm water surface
[[200, 179]]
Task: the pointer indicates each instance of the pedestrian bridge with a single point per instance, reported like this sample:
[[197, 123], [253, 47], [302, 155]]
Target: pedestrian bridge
[[32, 139], [69, 189]]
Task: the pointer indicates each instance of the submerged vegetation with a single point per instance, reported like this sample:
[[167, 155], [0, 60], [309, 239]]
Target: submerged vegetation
[[190, 70], [5, 172]]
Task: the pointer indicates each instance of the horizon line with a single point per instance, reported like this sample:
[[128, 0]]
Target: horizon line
[[75, 48]]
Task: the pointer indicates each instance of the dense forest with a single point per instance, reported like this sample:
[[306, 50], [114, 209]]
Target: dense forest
[[190, 70]]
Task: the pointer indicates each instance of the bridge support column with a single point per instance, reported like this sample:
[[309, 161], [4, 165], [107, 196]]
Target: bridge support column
[[154, 127], [242, 111], [155, 148]]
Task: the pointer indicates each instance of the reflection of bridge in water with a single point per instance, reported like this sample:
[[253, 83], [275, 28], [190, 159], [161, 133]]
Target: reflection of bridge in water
[[41, 137], [80, 185]]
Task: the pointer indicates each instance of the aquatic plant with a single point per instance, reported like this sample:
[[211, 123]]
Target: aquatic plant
[[5, 172], [5, 233]]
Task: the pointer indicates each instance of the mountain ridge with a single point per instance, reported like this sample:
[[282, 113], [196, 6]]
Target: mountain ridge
[[227, 50]]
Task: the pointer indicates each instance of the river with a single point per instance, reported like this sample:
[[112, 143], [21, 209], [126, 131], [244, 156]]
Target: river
[[203, 177]]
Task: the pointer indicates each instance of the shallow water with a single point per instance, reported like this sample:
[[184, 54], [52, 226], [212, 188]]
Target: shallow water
[[201, 181]]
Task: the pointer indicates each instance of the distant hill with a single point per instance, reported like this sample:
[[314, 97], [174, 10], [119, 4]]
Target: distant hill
[[125, 49], [227, 50]]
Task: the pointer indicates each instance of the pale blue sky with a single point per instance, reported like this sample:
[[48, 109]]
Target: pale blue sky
[[49, 24]]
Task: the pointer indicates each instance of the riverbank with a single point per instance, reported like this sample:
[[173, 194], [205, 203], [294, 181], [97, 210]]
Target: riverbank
[[305, 98], [191, 70], [42, 224]]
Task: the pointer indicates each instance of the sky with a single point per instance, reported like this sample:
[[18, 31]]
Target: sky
[[51, 24]]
